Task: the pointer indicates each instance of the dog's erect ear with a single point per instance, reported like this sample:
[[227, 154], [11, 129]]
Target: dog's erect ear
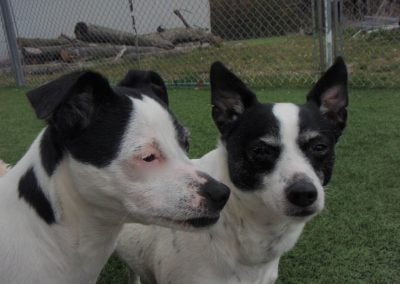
[[70, 100], [146, 80], [229, 96], [330, 94]]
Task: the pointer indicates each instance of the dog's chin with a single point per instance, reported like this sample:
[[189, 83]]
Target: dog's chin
[[301, 213], [190, 224]]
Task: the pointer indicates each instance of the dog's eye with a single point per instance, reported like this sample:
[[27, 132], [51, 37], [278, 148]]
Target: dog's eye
[[319, 149], [149, 158], [262, 151]]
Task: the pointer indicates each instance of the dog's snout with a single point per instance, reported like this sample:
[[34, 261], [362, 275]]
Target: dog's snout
[[215, 192], [302, 193]]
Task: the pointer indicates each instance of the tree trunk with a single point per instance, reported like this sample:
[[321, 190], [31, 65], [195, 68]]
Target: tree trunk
[[93, 33], [36, 42], [39, 55]]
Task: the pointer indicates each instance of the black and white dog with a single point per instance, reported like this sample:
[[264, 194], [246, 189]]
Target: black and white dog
[[276, 158], [107, 156]]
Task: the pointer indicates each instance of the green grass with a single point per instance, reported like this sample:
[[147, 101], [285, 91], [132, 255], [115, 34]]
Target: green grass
[[355, 239]]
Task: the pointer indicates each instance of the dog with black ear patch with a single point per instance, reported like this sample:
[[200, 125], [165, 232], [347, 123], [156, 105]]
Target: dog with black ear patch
[[107, 156], [276, 158]]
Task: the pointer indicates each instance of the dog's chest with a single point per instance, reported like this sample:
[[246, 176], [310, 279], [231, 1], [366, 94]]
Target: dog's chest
[[257, 247], [247, 255]]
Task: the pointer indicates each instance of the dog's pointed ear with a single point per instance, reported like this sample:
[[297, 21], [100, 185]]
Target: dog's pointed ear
[[330, 94], [229, 96], [69, 101], [146, 80]]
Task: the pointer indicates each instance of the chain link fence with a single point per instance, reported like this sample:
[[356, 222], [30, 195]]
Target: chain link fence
[[267, 42], [371, 35]]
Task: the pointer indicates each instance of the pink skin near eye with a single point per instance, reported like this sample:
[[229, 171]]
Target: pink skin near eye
[[147, 157]]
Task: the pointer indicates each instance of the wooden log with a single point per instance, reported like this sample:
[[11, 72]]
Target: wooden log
[[36, 42], [69, 54], [94, 33], [38, 55]]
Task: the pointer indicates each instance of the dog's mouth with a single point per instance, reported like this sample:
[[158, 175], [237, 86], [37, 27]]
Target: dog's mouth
[[202, 222], [192, 223], [303, 212]]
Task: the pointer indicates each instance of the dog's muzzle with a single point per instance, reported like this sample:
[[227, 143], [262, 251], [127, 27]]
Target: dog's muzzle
[[302, 194], [215, 193]]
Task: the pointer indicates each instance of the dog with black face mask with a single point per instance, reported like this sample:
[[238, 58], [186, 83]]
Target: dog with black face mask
[[107, 156], [276, 158]]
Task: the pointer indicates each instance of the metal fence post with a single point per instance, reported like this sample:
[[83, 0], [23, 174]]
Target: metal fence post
[[328, 33], [12, 41]]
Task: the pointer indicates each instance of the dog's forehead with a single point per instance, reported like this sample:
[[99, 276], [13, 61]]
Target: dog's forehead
[[152, 122], [296, 122], [255, 123], [311, 119], [151, 118], [287, 115], [280, 122]]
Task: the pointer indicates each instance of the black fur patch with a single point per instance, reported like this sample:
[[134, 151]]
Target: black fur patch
[[312, 120], [98, 144], [246, 167], [147, 82], [50, 151], [32, 193]]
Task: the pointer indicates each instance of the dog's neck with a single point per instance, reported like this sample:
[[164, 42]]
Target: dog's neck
[[82, 236], [257, 235]]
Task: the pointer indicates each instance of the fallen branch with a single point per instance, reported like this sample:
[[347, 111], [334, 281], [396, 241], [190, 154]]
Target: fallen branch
[[179, 15]]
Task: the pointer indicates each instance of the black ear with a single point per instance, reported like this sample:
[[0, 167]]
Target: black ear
[[146, 80], [229, 96], [330, 94], [70, 100]]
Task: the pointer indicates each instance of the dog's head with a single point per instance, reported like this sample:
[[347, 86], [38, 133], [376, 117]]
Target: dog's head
[[123, 150], [282, 152]]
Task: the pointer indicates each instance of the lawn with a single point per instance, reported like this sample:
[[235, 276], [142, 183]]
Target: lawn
[[355, 239]]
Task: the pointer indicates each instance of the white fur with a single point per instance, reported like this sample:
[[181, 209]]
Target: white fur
[[91, 204], [253, 232], [3, 168]]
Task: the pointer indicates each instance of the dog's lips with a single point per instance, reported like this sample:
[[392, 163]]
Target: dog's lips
[[303, 212], [202, 222], [197, 222]]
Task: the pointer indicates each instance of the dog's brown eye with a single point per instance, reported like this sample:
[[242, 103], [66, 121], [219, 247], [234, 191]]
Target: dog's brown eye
[[149, 158], [319, 149], [261, 151]]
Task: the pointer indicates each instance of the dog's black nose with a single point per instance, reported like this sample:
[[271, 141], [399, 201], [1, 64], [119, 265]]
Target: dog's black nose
[[215, 192], [302, 193]]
